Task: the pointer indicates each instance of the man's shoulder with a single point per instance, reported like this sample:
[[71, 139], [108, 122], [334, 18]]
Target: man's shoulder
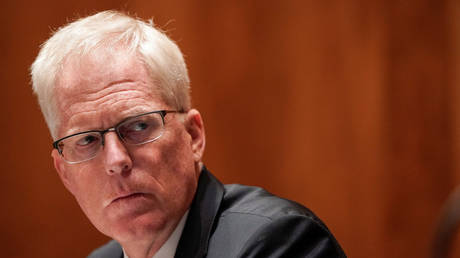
[[252, 222], [110, 250], [256, 201]]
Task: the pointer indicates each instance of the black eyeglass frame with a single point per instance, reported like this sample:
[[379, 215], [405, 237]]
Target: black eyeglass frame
[[162, 113]]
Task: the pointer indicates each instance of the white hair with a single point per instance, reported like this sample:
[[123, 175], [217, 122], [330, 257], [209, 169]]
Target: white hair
[[161, 55]]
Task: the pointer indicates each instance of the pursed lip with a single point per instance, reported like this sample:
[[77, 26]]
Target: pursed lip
[[125, 196]]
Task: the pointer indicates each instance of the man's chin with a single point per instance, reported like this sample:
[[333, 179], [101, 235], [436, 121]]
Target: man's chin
[[129, 227]]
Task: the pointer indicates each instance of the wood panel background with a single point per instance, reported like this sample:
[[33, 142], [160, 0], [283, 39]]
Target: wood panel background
[[349, 107]]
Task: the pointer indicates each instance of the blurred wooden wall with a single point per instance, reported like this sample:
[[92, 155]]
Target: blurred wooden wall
[[349, 107]]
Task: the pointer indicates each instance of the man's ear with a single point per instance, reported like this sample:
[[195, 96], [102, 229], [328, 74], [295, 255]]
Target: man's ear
[[61, 169], [195, 128]]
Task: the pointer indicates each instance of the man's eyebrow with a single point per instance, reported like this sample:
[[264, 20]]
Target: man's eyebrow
[[132, 113], [135, 112]]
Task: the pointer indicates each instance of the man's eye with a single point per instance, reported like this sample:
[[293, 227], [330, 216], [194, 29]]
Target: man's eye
[[87, 140], [139, 126]]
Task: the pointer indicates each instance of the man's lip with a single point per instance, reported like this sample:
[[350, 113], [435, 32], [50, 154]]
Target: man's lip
[[127, 196]]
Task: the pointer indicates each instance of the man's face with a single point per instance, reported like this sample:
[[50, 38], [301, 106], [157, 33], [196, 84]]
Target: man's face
[[127, 191]]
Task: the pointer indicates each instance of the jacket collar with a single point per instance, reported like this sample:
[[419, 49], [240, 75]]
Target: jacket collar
[[202, 213]]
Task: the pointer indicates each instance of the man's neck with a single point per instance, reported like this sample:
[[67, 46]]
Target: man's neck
[[160, 247]]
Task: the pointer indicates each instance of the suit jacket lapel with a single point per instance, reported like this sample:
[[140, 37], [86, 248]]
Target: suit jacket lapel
[[202, 213]]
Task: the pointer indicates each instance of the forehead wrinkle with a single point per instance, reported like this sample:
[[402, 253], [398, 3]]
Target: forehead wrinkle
[[103, 104], [78, 95], [95, 79], [109, 98]]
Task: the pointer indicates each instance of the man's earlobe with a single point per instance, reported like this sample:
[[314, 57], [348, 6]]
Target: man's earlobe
[[61, 169], [195, 128]]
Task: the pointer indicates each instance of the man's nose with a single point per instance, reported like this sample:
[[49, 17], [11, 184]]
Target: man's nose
[[117, 159]]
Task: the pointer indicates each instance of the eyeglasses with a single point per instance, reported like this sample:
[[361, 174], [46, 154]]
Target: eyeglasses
[[136, 130]]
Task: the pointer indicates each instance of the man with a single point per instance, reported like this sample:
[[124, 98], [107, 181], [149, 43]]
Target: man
[[114, 92]]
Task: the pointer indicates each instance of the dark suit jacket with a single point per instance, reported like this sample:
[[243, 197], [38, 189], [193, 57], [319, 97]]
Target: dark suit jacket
[[240, 221]]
